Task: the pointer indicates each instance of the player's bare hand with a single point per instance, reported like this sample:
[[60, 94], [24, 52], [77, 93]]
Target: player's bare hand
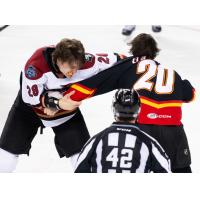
[[50, 112], [66, 103]]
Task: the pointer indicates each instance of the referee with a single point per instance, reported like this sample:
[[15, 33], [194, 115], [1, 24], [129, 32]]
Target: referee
[[123, 147]]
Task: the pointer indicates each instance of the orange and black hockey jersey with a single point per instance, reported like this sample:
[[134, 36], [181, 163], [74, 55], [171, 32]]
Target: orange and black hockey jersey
[[162, 91]]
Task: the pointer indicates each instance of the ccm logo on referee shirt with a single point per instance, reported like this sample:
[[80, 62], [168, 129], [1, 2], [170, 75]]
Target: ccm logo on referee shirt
[[122, 129], [155, 116]]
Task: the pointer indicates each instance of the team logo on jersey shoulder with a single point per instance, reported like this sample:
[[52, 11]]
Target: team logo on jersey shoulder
[[88, 57], [31, 72], [89, 61]]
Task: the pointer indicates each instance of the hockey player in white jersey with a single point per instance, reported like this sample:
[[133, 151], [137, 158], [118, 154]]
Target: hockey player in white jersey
[[40, 103], [123, 147]]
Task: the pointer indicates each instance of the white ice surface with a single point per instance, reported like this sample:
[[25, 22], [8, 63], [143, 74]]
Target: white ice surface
[[180, 50]]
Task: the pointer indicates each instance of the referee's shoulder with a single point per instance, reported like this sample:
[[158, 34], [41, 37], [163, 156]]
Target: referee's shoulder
[[143, 136], [150, 140], [105, 132], [102, 134]]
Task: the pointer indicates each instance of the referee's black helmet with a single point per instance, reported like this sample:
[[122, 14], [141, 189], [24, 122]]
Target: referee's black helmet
[[126, 104]]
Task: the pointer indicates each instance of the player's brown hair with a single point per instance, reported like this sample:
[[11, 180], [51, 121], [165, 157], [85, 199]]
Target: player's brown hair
[[69, 50], [144, 45]]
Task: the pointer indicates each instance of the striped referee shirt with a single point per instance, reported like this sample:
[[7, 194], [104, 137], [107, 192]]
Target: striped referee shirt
[[122, 148]]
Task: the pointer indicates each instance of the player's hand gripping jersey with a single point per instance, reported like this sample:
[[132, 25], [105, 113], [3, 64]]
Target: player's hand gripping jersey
[[40, 76], [162, 90]]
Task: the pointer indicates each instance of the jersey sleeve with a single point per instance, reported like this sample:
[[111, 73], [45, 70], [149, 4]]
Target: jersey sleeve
[[160, 161], [83, 164], [101, 61], [103, 82], [33, 82], [188, 91], [105, 61], [96, 63]]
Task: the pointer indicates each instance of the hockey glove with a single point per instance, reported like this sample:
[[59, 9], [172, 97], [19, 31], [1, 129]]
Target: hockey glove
[[51, 100]]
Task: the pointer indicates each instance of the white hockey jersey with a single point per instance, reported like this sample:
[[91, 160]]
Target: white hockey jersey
[[39, 76]]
